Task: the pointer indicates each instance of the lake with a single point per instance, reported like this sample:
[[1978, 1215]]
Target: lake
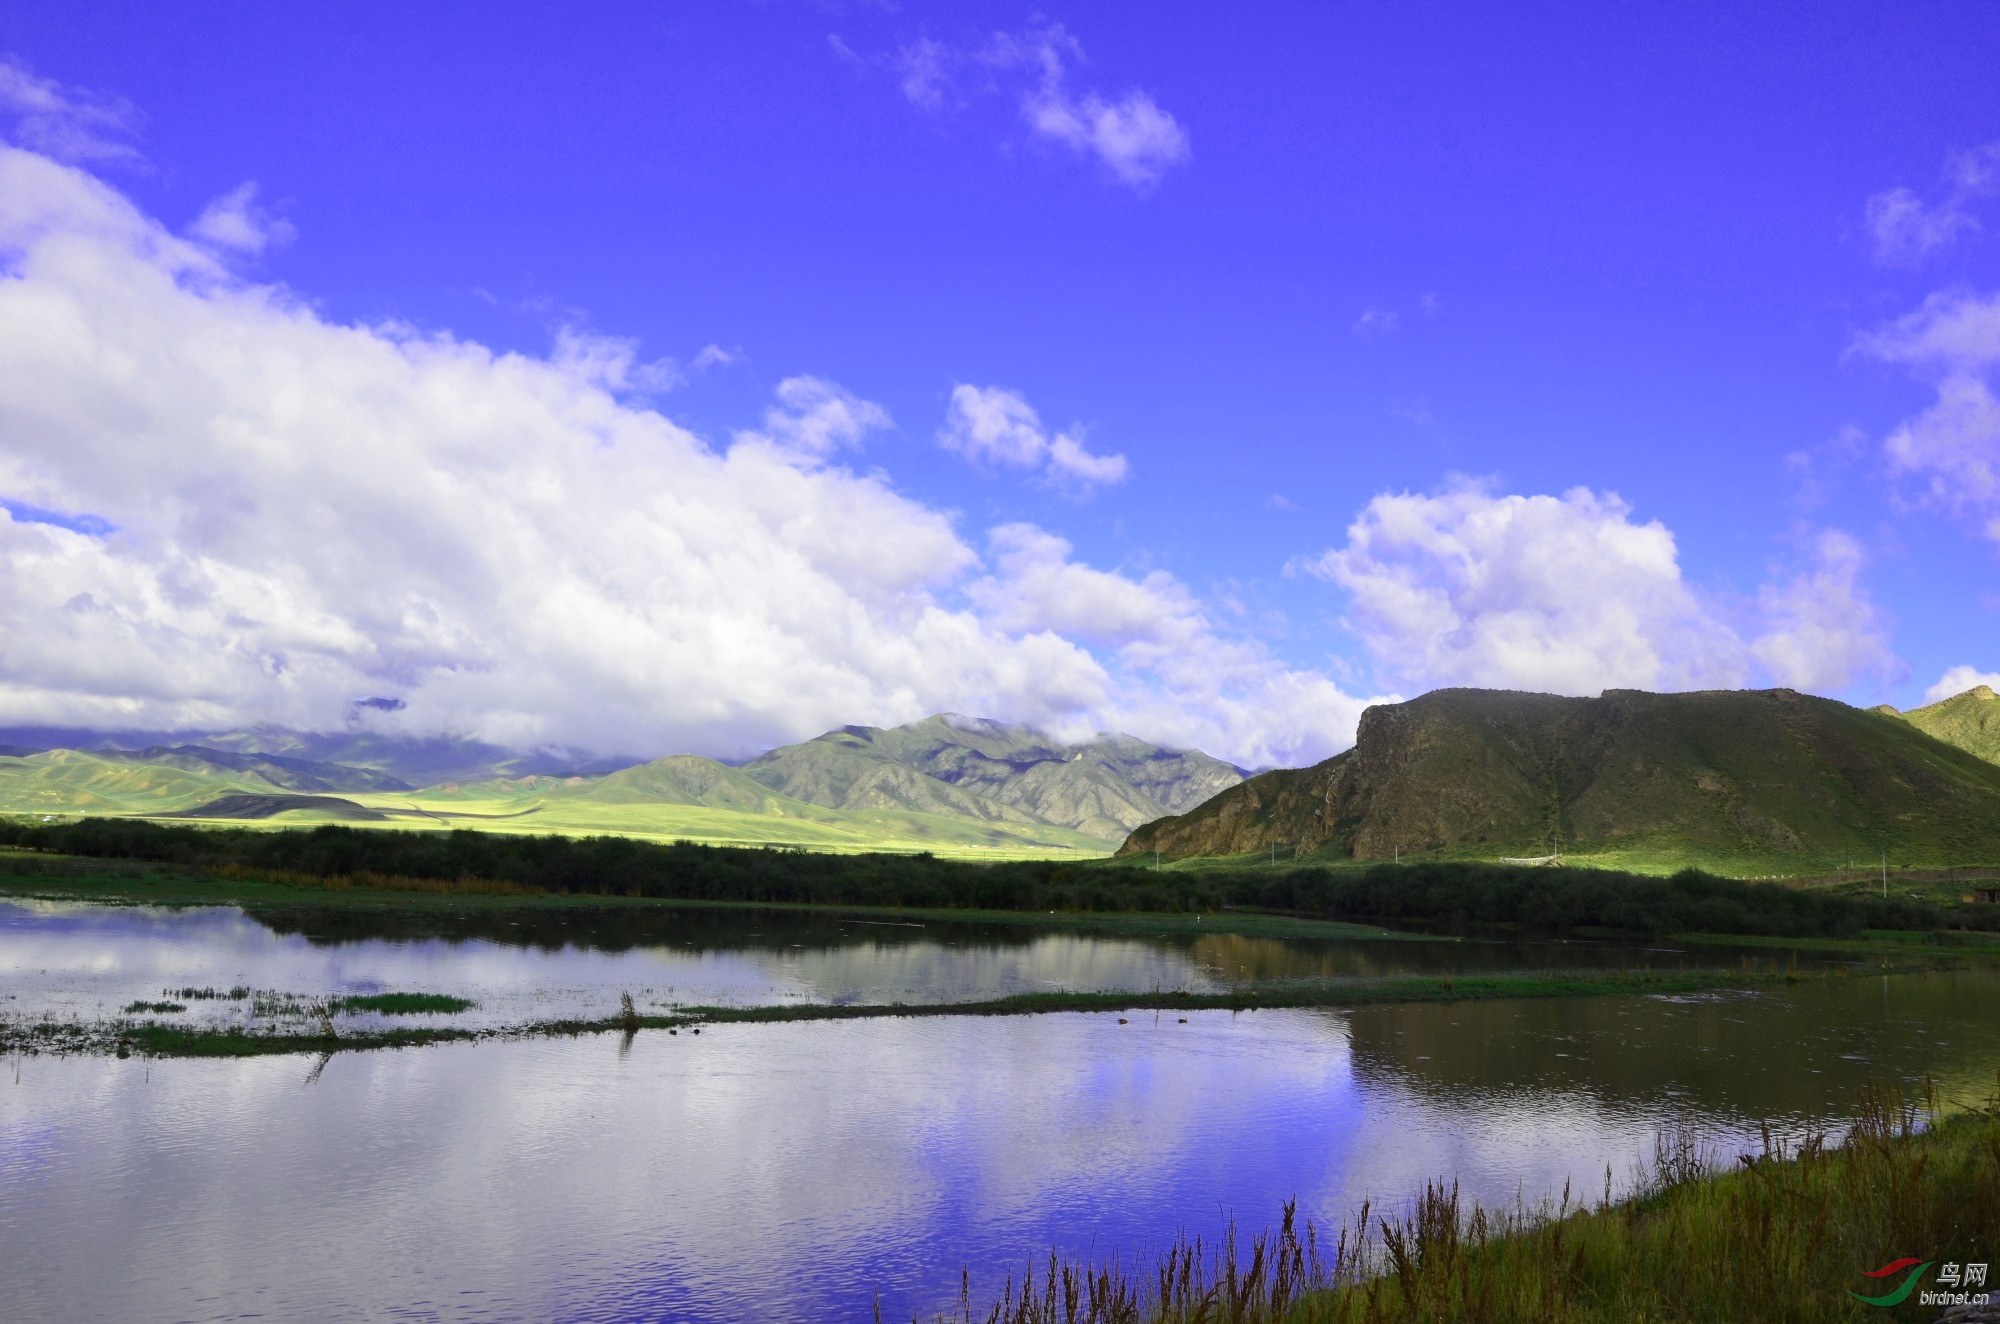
[[808, 1170]]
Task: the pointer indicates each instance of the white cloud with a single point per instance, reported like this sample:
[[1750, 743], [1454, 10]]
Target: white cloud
[[1906, 229], [1564, 594], [1177, 677], [715, 356], [1038, 587], [67, 123], [815, 417], [991, 425], [1958, 680], [1824, 632], [236, 221], [611, 363], [267, 516], [924, 69], [1953, 447], [1136, 139], [1377, 322], [1130, 134]]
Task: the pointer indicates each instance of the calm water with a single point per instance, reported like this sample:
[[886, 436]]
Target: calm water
[[797, 1171], [79, 961]]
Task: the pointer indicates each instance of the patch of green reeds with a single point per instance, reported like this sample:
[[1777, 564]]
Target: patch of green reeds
[[136, 1008], [402, 1004], [205, 994], [1776, 1238]]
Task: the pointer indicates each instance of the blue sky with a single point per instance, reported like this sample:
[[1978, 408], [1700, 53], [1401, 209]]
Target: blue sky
[[1300, 266]]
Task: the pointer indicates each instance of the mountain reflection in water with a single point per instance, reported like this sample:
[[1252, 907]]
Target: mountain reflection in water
[[795, 1171]]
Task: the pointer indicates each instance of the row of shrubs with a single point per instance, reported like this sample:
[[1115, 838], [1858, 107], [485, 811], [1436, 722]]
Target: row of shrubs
[[1448, 894]]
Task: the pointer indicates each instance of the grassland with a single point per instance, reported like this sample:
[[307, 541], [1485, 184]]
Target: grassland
[[1938, 882], [836, 830], [65, 784]]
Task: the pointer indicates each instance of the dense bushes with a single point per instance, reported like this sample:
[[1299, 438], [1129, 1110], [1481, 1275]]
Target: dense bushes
[[1448, 894], [1556, 899]]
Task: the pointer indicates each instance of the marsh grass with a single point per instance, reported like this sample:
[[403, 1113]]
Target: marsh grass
[[1777, 1237], [281, 1014], [403, 1004], [191, 994], [137, 1008]]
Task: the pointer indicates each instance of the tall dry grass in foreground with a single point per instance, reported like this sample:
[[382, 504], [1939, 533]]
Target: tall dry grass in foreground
[[1777, 1237]]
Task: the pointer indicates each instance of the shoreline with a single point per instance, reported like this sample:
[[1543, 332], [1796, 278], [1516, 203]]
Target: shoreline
[[157, 1039]]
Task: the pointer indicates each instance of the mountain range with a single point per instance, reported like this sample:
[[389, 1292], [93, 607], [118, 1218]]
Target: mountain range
[[946, 780], [1735, 779]]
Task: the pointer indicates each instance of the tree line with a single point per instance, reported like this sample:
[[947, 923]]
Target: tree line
[[1433, 894]]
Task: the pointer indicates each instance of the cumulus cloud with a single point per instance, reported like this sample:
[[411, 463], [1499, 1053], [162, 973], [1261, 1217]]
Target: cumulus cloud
[[1571, 595], [1130, 134], [1563, 594], [1958, 680], [1038, 587], [1823, 631], [991, 425], [1952, 448], [67, 123], [1905, 229], [237, 222], [1181, 679], [815, 417], [218, 507]]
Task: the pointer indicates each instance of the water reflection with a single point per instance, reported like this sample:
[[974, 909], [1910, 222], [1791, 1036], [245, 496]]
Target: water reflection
[[792, 1171], [80, 961]]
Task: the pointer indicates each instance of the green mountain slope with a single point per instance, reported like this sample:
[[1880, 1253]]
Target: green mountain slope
[[994, 771], [1970, 721], [943, 783], [68, 781], [417, 761], [1730, 778], [291, 774], [682, 779]]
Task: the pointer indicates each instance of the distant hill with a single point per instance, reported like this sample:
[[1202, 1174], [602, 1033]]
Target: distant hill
[[1970, 721], [947, 781], [406, 760], [291, 774], [1722, 776], [68, 781], [973, 768]]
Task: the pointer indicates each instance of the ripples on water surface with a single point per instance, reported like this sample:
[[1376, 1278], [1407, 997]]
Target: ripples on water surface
[[795, 1171]]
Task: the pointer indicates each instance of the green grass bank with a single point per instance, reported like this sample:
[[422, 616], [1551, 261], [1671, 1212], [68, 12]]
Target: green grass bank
[[1785, 1236]]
